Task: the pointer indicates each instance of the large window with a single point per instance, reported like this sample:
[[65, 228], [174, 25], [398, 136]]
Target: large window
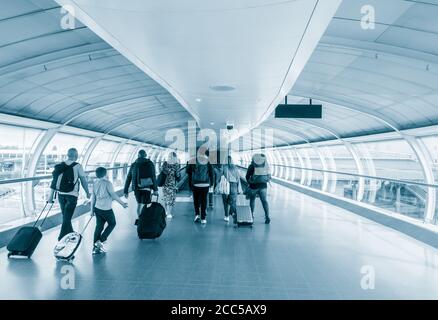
[[431, 143], [102, 154], [16, 144], [125, 154], [55, 152], [390, 176], [390, 159], [15, 149]]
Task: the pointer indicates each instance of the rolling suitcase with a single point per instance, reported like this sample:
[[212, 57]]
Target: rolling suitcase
[[244, 216], [25, 241], [152, 221], [66, 248]]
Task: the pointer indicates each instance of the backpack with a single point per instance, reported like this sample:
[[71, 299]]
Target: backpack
[[262, 173], [144, 175], [200, 174], [63, 177]]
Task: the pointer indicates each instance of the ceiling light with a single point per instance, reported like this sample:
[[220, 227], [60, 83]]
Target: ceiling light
[[222, 88], [198, 99]]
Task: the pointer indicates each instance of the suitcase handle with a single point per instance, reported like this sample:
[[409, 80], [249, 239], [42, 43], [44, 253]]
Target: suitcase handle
[[41, 213], [86, 225]]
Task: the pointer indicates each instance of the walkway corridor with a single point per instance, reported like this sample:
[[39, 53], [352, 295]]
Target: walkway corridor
[[311, 250]]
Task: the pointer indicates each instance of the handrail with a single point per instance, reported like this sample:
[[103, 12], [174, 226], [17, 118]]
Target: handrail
[[359, 175], [47, 177]]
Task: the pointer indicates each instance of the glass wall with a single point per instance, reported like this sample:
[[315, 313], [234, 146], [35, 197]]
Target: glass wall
[[431, 145], [393, 159], [122, 160], [102, 155], [17, 147], [16, 144], [384, 173], [57, 148], [55, 152]]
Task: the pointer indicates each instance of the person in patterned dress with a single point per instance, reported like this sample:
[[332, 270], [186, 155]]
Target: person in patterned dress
[[171, 169]]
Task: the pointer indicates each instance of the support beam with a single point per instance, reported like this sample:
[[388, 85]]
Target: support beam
[[31, 170], [90, 150], [425, 161]]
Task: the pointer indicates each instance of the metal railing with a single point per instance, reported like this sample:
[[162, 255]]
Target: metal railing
[[360, 176], [48, 177], [396, 195], [25, 196]]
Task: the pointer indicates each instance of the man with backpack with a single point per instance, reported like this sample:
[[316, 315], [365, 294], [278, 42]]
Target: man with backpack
[[258, 176], [67, 176], [142, 179], [201, 177]]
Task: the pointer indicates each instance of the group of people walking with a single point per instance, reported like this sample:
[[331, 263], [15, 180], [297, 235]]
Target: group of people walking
[[203, 178]]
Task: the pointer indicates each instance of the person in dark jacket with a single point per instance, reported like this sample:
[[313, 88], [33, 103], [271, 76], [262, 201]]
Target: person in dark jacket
[[257, 176], [140, 172], [201, 177]]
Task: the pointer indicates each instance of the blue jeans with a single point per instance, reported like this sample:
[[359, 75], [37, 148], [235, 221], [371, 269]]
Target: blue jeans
[[104, 217], [200, 195], [262, 193], [67, 203], [230, 200]]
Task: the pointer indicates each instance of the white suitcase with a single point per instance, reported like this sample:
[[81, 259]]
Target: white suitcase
[[66, 248], [244, 216]]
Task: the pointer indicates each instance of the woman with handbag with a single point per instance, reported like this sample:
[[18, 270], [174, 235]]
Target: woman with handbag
[[258, 176], [168, 179], [229, 186]]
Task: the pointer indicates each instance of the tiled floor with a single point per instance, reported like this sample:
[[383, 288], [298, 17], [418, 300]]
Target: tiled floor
[[310, 251]]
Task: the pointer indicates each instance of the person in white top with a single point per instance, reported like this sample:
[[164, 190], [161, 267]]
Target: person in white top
[[101, 207], [69, 200], [232, 176]]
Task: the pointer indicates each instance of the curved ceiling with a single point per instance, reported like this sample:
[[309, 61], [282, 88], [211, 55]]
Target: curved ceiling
[[225, 61], [73, 77], [369, 80]]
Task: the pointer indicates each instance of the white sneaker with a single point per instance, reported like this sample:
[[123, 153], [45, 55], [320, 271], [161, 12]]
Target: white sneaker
[[100, 245], [96, 250], [203, 221], [169, 216], [227, 219], [197, 218]]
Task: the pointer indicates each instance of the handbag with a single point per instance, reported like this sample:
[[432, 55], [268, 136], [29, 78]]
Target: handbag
[[255, 179], [250, 193], [145, 183], [161, 179], [224, 186], [178, 176]]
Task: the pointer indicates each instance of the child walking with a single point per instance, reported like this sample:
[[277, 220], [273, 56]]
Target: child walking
[[101, 204]]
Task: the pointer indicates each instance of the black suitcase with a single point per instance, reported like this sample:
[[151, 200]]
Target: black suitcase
[[244, 216], [25, 241], [152, 221]]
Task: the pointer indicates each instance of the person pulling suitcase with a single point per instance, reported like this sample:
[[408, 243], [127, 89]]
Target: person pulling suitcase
[[101, 207], [142, 180]]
